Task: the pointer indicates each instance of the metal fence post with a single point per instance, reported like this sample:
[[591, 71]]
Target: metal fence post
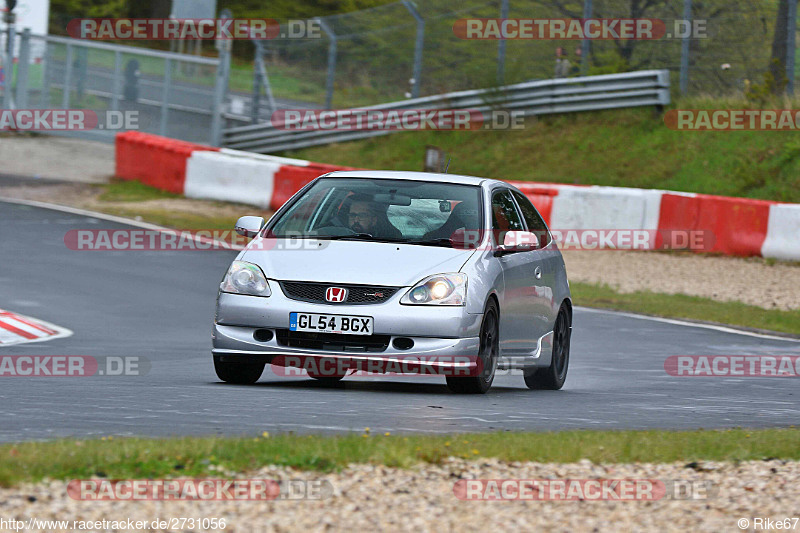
[[22, 69], [588, 10], [790, 47], [115, 89], [331, 62], [687, 16], [47, 76], [220, 90], [418, 45], [67, 78], [165, 97], [501, 48], [256, 103], [8, 67]]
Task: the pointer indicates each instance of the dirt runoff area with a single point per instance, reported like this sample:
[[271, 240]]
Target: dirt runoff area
[[56, 158], [457, 495]]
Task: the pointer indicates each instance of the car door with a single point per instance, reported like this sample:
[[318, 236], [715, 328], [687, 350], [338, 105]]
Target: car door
[[546, 260], [519, 331]]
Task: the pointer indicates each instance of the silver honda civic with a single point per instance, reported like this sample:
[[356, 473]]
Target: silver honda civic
[[396, 272]]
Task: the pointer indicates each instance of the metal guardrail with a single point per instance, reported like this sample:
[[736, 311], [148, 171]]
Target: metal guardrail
[[590, 93]]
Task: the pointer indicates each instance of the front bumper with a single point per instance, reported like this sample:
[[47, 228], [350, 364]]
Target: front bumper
[[436, 331]]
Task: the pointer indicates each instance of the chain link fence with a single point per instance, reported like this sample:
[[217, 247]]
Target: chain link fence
[[377, 57], [166, 93], [389, 53]]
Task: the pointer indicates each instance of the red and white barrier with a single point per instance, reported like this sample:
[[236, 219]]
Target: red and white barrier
[[605, 208], [231, 178], [783, 233], [738, 226]]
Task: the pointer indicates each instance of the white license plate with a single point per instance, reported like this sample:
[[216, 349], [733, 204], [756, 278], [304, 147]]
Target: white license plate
[[346, 324]]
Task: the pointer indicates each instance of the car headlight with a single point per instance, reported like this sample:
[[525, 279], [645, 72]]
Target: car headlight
[[441, 289], [245, 278]]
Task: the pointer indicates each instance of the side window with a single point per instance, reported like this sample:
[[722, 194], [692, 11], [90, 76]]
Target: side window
[[504, 215], [532, 218]]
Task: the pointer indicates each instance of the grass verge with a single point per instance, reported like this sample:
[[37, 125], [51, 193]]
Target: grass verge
[[127, 199], [185, 457], [172, 219], [689, 307], [132, 191]]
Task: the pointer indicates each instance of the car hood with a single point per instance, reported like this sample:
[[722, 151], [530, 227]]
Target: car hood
[[357, 262]]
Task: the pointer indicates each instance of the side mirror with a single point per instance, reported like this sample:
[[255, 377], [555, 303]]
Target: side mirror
[[518, 241], [249, 226]]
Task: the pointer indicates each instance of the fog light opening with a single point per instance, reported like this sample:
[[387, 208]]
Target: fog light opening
[[263, 335], [403, 343]]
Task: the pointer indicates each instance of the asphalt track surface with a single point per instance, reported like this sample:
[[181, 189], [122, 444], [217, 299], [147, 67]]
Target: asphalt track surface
[[160, 305]]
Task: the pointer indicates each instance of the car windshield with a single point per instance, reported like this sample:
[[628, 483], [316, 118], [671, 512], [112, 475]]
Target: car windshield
[[413, 212]]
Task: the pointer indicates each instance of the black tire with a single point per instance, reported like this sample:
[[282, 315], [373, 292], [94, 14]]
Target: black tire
[[554, 376], [238, 373], [489, 354]]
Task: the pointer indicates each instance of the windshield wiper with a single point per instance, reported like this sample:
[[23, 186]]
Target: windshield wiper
[[430, 242], [350, 236], [363, 237]]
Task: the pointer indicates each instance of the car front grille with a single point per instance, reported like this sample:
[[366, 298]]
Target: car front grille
[[314, 292], [332, 342]]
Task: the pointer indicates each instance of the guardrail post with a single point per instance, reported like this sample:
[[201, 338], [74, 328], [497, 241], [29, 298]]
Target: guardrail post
[[588, 10], [22, 69], [501, 48], [418, 45], [687, 17], [790, 50], [331, 62]]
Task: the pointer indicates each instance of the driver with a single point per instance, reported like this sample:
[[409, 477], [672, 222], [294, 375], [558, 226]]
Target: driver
[[363, 217]]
